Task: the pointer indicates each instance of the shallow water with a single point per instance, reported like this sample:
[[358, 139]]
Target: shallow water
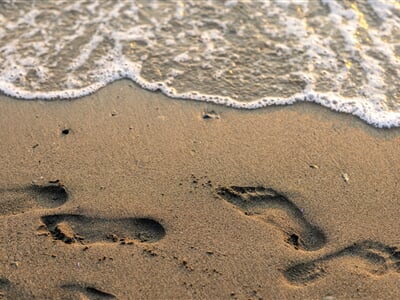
[[248, 54]]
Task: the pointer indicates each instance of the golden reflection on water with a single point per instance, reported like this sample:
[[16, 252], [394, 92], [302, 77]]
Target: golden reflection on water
[[361, 19], [396, 4], [181, 11]]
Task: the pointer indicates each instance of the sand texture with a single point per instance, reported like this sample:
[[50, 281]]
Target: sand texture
[[126, 194]]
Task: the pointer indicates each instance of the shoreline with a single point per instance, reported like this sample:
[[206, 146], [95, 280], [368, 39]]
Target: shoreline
[[134, 154], [313, 98]]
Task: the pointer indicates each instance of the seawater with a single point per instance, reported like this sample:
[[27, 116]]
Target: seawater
[[247, 54]]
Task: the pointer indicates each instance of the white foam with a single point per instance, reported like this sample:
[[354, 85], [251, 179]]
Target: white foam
[[182, 57], [276, 53]]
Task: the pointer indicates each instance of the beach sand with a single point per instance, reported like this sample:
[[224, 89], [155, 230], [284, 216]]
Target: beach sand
[[132, 195]]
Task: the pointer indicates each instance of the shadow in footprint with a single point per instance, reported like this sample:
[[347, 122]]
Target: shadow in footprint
[[8, 290], [4, 287], [19, 200], [87, 291], [257, 201], [381, 259], [71, 228]]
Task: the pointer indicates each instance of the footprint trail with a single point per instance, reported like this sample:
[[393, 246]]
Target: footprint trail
[[71, 228], [259, 202], [18, 200], [87, 291], [379, 259]]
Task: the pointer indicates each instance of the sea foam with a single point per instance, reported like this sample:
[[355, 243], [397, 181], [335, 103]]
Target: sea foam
[[344, 55]]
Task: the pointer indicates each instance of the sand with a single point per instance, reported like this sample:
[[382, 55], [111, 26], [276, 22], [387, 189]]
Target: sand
[[127, 194]]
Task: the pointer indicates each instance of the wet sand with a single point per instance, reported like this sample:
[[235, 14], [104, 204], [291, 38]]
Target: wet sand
[[127, 194]]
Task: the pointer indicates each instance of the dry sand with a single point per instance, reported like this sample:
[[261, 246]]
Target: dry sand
[[150, 200]]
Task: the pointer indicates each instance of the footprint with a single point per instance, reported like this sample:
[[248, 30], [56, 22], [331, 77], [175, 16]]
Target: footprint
[[18, 200], [71, 228], [87, 292], [9, 290], [267, 204], [4, 287], [379, 257]]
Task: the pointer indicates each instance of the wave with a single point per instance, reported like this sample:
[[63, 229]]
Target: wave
[[244, 54]]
